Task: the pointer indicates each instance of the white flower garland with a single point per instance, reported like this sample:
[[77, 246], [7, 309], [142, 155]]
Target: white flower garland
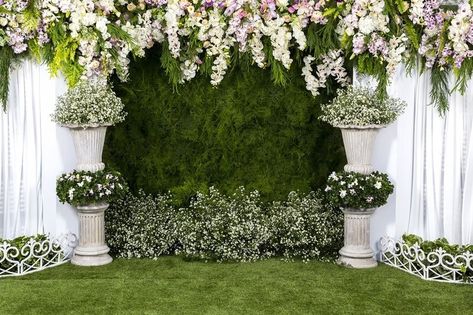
[[101, 34]]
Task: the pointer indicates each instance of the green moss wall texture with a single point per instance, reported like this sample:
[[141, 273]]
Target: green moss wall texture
[[245, 132]]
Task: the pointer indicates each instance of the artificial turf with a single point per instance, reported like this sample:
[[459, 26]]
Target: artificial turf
[[171, 285]]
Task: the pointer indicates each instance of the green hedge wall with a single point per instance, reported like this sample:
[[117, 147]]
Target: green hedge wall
[[245, 132]]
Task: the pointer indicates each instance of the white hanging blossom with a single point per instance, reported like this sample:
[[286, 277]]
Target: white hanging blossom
[[331, 66], [396, 52], [172, 27], [299, 35], [280, 36], [312, 84], [416, 12], [189, 69], [218, 44], [257, 49]]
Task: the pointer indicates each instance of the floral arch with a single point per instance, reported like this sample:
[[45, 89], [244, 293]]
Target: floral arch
[[86, 38]]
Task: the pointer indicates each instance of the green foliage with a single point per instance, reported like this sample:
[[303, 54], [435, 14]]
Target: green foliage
[[21, 241], [412, 34], [303, 227], [63, 57], [31, 16], [225, 228], [366, 64], [61, 53], [142, 226], [440, 90], [402, 5], [322, 38], [279, 74], [171, 65], [6, 58], [463, 76], [247, 132], [430, 246]]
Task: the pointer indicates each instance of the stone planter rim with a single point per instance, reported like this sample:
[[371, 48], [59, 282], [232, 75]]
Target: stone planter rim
[[358, 211], [360, 127], [93, 206], [85, 126]]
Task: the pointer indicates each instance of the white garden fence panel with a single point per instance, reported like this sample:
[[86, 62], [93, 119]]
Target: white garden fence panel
[[36, 255], [437, 265]]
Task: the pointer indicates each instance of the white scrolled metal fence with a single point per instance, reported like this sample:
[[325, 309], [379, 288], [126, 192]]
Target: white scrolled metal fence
[[437, 265], [36, 255]]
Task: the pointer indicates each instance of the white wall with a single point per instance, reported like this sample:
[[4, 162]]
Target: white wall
[[59, 158], [393, 155]]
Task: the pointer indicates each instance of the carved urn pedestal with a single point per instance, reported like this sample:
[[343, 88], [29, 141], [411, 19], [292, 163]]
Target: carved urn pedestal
[[358, 142], [88, 142]]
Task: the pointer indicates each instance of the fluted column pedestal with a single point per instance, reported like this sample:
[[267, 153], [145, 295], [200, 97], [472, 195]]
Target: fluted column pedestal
[[92, 249], [356, 251], [358, 143], [88, 143]]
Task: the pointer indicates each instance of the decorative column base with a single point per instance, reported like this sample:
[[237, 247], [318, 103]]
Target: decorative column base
[[92, 249], [88, 261], [357, 252]]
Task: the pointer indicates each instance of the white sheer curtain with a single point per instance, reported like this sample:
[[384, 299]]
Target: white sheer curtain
[[441, 202], [33, 152], [21, 156], [430, 160]]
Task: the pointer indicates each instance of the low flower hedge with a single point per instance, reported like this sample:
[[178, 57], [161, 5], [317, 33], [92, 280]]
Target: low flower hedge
[[237, 227]]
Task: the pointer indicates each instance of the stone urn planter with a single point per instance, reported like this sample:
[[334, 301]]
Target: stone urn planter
[[358, 142], [356, 251], [92, 249], [88, 142]]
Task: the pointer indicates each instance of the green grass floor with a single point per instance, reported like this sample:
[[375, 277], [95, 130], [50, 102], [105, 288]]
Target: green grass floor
[[171, 285]]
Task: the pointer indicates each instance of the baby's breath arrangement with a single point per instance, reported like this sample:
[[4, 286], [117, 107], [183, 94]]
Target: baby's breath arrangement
[[89, 104], [215, 226], [360, 106], [303, 227], [80, 188], [358, 191], [142, 226], [225, 228]]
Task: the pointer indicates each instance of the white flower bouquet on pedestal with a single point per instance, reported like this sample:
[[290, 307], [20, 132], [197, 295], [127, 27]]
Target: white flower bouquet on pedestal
[[360, 113], [90, 193], [87, 110], [358, 196]]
